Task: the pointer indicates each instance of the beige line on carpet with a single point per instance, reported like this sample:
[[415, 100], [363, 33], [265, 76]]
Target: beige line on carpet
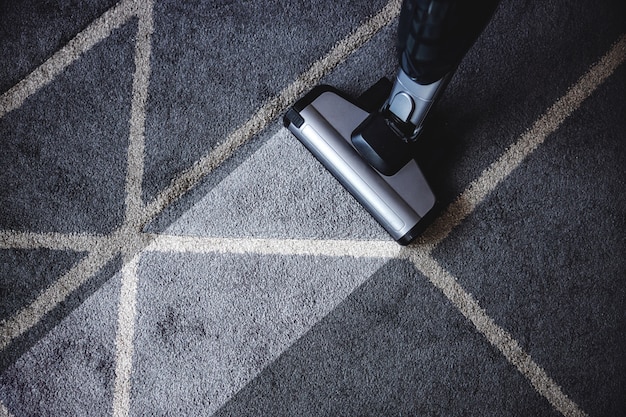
[[124, 337], [136, 141], [77, 242], [97, 31], [336, 248], [134, 208]]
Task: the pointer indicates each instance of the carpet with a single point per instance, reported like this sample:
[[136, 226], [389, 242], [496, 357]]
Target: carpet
[[167, 247]]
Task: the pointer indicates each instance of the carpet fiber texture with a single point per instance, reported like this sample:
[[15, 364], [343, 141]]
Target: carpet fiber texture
[[167, 247]]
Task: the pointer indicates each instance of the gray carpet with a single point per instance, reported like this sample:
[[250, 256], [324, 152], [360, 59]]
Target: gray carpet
[[168, 248]]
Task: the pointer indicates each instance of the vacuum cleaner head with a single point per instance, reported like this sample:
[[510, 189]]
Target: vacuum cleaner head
[[324, 121]]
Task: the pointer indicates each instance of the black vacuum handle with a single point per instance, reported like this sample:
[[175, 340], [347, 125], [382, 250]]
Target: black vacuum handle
[[434, 35]]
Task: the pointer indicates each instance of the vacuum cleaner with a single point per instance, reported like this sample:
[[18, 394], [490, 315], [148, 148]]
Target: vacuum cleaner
[[368, 144]]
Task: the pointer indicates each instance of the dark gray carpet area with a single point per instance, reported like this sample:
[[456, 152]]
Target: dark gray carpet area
[[559, 254], [68, 156], [256, 285], [32, 30], [378, 353]]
